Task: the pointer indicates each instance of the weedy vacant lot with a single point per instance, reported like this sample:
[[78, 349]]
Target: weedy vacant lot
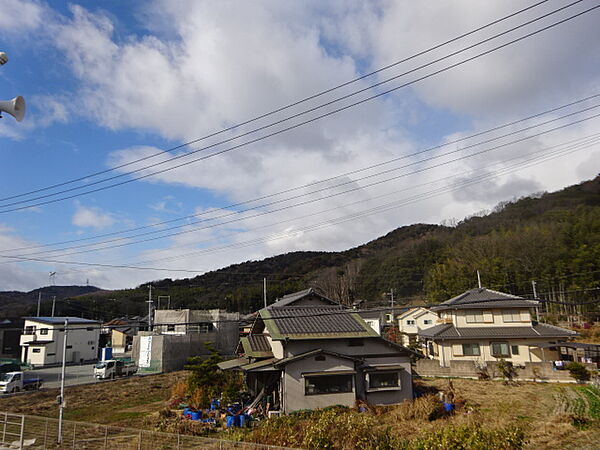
[[490, 415]]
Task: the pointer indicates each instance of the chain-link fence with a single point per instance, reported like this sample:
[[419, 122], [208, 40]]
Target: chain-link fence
[[31, 432]]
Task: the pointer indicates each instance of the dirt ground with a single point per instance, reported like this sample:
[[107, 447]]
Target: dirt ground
[[553, 415]]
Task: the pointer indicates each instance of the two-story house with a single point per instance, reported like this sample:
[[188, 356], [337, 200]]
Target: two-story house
[[306, 352], [42, 340], [486, 325], [413, 320]]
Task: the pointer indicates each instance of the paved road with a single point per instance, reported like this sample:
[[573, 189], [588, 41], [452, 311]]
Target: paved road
[[74, 375]]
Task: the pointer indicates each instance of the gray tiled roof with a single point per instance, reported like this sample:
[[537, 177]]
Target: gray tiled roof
[[259, 343], [289, 299], [485, 298], [537, 330], [314, 322]]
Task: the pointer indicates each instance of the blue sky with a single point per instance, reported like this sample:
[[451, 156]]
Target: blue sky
[[110, 82]]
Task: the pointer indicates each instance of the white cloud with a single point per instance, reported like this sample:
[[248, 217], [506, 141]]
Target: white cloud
[[90, 217], [200, 66]]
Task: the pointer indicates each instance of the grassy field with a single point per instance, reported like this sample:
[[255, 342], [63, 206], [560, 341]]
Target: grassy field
[[546, 415]]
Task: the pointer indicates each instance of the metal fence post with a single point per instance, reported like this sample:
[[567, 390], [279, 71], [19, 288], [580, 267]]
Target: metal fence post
[[4, 430], [74, 427], [22, 432], [46, 433]]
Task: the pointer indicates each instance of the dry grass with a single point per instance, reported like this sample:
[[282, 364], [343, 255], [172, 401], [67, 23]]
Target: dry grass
[[121, 403]]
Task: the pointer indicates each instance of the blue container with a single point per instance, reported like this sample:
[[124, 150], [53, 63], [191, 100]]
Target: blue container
[[196, 415], [230, 421], [448, 407], [215, 404], [244, 420], [186, 412]]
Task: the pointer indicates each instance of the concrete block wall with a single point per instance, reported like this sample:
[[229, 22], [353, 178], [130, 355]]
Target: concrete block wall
[[538, 371]]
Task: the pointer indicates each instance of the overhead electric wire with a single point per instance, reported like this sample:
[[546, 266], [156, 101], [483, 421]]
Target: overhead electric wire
[[289, 128], [21, 259], [264, 197], [317, 191], [290, 105]]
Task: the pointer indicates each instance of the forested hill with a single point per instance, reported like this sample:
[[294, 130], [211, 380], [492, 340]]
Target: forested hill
[[553, 238], [15, 303]]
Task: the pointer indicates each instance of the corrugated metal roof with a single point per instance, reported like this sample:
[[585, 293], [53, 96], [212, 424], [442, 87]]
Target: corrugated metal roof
[[449, 331], [233, 363], [485, 298], [314, 322], [61, 320]]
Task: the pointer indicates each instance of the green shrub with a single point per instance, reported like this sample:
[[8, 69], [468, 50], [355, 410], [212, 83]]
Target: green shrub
[[578, 371]]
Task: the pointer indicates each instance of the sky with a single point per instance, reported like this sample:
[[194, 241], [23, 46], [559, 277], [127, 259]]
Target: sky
[[164, 139]]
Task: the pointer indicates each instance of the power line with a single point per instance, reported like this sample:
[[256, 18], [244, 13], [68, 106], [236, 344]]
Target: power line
[[292, 127], [310, 193], [290, 105], [505, 125], [134, 267]]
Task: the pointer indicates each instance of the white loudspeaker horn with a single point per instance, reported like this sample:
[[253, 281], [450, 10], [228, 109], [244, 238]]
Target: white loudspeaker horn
[[15, 107]]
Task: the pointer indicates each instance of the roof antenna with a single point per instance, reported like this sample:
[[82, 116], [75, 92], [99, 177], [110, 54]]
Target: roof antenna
[[479, 279]]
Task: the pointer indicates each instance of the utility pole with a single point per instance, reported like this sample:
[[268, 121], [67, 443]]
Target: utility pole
[[61, 398], [265, 290], [39, 302], [53, 304], [478, 279], [535, 296], [149, 301]]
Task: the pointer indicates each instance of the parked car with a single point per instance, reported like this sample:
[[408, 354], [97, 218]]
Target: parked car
[[12, 382]]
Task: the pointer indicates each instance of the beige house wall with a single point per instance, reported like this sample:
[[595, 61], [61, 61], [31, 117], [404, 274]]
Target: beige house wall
[[492, 317], [452, 351]]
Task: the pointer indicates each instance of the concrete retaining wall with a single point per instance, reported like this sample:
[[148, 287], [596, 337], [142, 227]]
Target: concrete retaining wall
[[534, 371]]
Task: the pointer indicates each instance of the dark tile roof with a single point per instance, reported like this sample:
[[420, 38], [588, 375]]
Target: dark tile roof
[[256, 346], [61, 320], [485, 298], [289, 299], [313, 322], [537, 330]]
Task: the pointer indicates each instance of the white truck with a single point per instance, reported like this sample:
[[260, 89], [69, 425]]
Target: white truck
[[12, 382], [113, 368]]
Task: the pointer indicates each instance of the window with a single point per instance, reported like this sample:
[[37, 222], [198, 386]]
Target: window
[[514, 349], [50, 354], [475, 317], [499, 349], [36, 350], [513, 315], [410, 322], [471, 349], [30, 329], [170, 327], [384, 380], [427, 321], [327, 384], [44, 331], [356, 343], [431, 349], [389, 317], [69, 346]]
